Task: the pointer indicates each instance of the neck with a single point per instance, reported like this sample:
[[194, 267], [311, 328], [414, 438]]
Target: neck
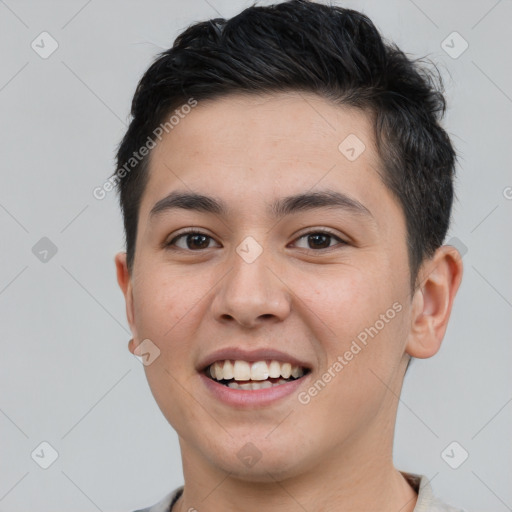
[[340, 482]]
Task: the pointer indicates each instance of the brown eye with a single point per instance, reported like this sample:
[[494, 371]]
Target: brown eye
[[193, 241], [197, 241], [318, 240]]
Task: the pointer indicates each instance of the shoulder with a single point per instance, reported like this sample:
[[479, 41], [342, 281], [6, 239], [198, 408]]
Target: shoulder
[[165, 504], [427, 502]]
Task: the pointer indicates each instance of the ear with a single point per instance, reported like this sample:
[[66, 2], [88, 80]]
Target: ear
[[438, 281], [125, 283]]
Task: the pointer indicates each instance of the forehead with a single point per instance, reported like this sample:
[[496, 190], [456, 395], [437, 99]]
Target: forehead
[[250, 149], [297, 124]]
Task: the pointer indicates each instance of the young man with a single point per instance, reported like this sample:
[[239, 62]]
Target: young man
[[286, 189]]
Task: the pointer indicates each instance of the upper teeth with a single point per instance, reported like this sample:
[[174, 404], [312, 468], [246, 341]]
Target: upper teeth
[[260, 370]]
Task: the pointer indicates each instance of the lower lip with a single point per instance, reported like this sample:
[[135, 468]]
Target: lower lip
[[254, 397]]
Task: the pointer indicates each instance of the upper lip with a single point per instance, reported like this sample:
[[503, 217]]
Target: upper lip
[[251, 356]]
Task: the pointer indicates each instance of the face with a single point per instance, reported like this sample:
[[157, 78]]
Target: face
[[296, 262]]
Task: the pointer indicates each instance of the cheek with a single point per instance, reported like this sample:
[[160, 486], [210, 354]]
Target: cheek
[[168, 308], [365, 319], [163, 299], [346, 299]]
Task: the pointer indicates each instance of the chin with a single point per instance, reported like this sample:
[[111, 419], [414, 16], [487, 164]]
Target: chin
[[262, 472], [266, 465]]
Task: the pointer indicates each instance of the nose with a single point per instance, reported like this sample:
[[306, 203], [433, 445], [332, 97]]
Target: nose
[[251, 294]]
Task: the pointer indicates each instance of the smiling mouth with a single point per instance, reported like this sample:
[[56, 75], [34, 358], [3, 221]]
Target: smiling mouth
[[254, 375]]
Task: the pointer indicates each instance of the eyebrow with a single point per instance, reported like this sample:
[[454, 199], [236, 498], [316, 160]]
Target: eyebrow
[[280, 208]]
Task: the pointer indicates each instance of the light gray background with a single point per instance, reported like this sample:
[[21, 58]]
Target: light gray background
[[66, 376]]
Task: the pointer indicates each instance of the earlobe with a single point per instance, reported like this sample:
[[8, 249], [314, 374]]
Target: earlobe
[[439, 280], [125, 283]]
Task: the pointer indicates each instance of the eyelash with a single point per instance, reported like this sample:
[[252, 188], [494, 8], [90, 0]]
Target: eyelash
[[192, 231]]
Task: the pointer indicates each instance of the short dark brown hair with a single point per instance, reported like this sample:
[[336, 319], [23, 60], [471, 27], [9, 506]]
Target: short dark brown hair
[[299, 45]]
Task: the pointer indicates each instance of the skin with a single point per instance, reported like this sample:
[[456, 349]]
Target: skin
[[334, 453]]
